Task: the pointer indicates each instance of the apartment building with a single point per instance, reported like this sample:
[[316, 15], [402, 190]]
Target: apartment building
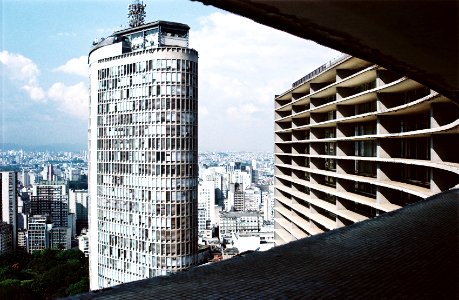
[[354, 140], [143, 162]]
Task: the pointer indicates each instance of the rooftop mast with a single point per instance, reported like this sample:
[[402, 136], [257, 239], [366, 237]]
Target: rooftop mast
[[136, 13]]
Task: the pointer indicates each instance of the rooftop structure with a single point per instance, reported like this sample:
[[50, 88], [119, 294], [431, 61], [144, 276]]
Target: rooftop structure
[[136, 13], [146, 36]]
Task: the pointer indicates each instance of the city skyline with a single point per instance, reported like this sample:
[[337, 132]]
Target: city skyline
[[45, 84]]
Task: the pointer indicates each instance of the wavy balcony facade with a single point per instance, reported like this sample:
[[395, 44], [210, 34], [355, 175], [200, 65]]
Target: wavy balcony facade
[[356, 140]]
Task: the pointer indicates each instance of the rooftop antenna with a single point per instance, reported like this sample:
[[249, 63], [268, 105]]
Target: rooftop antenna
[[136, 13]]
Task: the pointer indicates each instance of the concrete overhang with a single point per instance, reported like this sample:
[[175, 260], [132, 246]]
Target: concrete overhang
[[418, 39]]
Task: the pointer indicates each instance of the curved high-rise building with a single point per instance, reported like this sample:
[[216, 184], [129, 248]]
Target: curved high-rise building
[[143, 142], [354, 140]]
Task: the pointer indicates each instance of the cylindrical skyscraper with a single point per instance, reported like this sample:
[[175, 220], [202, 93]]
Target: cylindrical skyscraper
[[143, 162]]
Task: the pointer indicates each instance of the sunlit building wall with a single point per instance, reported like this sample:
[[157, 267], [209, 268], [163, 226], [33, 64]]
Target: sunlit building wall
[[354, 140], [143, 164]]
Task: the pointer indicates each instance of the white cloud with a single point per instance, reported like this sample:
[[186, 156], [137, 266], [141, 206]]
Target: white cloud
[[242, 66], [24, 72], [76, 66], [243, 111], [69, 99], [67, 34], [35, 92], [72, 100]]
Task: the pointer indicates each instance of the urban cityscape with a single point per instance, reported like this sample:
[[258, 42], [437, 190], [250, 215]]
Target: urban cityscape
[[352, 141], [235, 202]]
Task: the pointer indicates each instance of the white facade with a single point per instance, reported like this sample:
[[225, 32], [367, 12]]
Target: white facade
[[143, 216], [83, 243], [206, 200], [78, 205], [239, 222], [38, 233], [252, 199], [25, 178], [268, 205], [9, 202]]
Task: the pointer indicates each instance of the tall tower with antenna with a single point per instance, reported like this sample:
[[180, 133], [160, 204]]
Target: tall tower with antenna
[[136, 13], [143, 152]]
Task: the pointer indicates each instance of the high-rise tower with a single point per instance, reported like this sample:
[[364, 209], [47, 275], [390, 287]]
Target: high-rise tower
[[9, 203], [143, 164]]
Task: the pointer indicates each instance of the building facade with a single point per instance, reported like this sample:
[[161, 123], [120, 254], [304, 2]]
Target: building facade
[[239, 222], [83, 242], [38, 233], [143, 164], [6, 237], [354, 140], [51, 198], [78, 205], [252, 199], [206, 205], [9, 203]]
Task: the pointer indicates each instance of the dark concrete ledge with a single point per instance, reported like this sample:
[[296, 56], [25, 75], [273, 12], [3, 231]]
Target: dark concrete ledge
[[417, 38], [411, 253]]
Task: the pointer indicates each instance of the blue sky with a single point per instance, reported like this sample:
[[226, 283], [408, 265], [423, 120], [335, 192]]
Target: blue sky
[[242, 65]]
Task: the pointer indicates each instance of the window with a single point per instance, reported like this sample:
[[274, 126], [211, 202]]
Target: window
[[365, 148], [331, 115], [330, 148]]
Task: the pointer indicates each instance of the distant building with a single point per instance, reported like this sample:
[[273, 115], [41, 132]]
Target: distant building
[[268, 205], [38, 233], [25, 178], [9, 202], [252, 199], [83, 243], [206, 200], [237, 194], [50, 199], [48, 173], [239, 222], [6, 237], [202, 220], [72, 174], [78, 204], [60, 238], [22, 239]]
